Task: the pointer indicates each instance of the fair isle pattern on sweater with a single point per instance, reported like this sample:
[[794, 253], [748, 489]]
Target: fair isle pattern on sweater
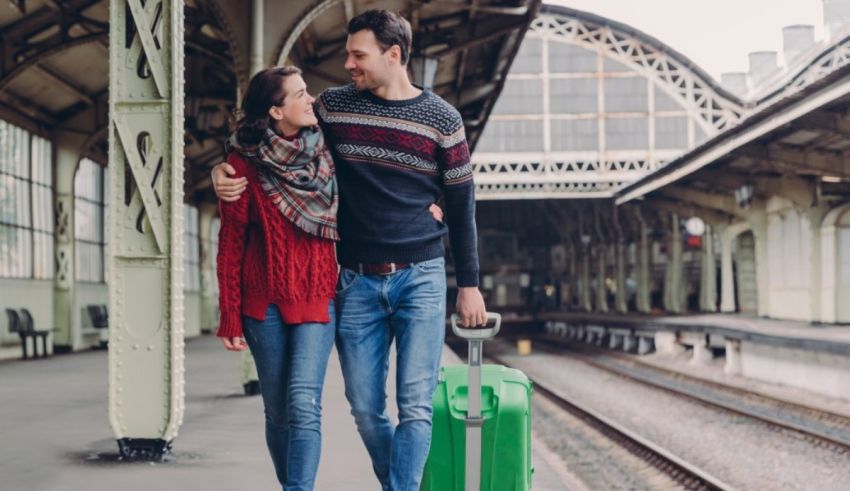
[[437, 125], [387, 157]]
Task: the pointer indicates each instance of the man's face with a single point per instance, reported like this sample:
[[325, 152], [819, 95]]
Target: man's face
[[368, 66]]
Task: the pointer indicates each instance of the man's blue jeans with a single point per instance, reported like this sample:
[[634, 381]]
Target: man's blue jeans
[[291, 362], [410, 307]]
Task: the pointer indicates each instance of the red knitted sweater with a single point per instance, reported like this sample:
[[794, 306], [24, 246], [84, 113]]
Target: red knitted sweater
[[263, 258]]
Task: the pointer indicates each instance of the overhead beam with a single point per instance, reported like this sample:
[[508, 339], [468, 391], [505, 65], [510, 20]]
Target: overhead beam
[[63, 83], [710, 215], [465, 37], [723, 203]]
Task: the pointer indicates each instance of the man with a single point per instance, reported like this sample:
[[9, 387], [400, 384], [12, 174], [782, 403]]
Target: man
[[396, 148]]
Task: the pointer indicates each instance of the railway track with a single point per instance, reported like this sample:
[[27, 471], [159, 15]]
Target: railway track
[[819, 426], [685, 474]]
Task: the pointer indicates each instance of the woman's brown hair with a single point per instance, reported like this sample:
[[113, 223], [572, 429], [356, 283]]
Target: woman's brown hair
[[265, 90]]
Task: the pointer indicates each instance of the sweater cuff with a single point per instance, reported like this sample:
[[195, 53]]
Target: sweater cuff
[[230, 325], [466, 278]]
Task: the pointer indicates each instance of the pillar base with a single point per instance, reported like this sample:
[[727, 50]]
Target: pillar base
[[144, 449], [733, 357], [62, 349], [630, 343], [702, 355], [646, 345], [252, 388], [666, 343]]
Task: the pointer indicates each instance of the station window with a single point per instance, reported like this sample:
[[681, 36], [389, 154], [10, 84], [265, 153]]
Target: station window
[[626, 95], [575, 135], [671, 132], [566, 58], [512, 136], [520, 97], [90, 212], [26, 204], [192, 251], [528, 58], [664, 102], [573, 96], [626, 133]]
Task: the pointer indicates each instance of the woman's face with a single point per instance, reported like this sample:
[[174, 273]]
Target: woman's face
[[297, 109]]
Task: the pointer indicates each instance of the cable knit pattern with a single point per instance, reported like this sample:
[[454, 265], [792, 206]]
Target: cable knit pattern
[[263, 258]]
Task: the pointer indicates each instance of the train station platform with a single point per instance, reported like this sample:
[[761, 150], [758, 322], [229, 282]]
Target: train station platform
[[56, 435], [814, 357]]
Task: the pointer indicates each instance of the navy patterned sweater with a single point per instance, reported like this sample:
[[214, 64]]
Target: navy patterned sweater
[[393, 160]]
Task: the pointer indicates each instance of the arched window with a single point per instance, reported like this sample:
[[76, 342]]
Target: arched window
[[26, 204], [90, 212]]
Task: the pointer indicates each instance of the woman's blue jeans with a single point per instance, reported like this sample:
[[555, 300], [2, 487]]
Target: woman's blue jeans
[[291, 363]]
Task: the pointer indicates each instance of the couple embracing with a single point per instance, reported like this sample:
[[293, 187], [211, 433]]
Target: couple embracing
[[350, 179]]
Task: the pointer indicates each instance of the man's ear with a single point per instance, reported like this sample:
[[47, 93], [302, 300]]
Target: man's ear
[[395, 53]]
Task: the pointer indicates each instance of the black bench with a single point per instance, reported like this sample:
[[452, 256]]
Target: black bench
[[99, 318], [24, 325]]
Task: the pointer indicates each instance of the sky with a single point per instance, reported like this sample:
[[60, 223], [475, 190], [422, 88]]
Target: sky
[[715, 34]]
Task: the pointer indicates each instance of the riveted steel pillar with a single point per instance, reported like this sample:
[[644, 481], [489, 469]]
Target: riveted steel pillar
[[146, 225]]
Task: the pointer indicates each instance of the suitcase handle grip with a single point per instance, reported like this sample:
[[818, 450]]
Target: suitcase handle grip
[[482, 333]]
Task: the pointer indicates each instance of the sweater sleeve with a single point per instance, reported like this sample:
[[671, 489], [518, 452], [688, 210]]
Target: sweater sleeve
[[231, 248], [459, 194]]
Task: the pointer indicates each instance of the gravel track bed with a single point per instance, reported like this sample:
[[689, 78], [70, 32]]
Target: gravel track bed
[[746, 453], [835, 427], [592, 457]]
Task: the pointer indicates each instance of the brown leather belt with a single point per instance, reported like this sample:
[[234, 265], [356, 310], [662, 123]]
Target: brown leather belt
[[376, 268]]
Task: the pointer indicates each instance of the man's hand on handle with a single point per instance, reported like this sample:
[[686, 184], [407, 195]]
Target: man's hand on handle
[[227, 188], [470, 307]]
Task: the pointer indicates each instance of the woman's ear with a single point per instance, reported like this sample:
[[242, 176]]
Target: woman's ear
[[275, 113]]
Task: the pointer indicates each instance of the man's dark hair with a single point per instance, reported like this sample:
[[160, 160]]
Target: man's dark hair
[[389, 29]]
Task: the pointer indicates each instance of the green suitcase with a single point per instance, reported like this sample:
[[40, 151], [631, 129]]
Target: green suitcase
[[490, 435]]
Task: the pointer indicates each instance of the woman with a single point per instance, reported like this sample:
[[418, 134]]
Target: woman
[[276, 264]]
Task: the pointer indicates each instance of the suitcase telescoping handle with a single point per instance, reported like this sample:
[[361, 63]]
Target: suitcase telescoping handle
[[474, 421]]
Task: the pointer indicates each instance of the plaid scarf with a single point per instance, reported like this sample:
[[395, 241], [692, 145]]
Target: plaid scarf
[[298, 176]]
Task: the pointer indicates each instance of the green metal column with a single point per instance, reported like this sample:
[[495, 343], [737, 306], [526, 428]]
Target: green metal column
[[601, 270], [708, 273], [643, 262], [67, 150], [673, 284], [250, 378], [146, 225], [209, 292], [621, 299], [621, 295], [585, 301]]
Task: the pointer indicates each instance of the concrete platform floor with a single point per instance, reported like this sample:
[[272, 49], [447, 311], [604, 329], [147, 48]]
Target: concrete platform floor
[[55, 435]]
